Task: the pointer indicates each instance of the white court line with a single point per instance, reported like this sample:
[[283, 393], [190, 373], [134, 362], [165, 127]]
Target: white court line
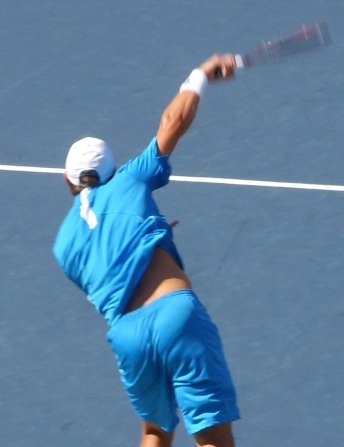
[[31, 169], [213, 180]]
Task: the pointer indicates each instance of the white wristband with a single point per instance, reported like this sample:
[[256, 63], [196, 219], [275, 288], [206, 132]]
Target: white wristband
[[197, 82]]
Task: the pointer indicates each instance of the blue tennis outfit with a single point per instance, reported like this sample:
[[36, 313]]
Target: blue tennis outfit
[[169, 352]]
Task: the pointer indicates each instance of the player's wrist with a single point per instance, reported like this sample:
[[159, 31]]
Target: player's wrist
[[196, 82]]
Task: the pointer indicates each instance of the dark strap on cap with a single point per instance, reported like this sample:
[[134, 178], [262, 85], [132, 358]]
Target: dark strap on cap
[[89, 173]]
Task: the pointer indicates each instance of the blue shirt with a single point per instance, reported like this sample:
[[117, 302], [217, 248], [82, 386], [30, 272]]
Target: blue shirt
[[108, 237]]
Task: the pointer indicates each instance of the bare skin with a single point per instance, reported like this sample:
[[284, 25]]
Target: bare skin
[[162, 276], [217, 436], [180, 113]]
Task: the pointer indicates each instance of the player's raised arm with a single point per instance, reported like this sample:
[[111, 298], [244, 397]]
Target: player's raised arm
[[180, 113]]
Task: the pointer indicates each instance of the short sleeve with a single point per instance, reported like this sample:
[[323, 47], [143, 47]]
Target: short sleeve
[[150, 167]]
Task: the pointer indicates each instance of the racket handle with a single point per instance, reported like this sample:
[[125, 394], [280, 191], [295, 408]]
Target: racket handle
[[239, 63]]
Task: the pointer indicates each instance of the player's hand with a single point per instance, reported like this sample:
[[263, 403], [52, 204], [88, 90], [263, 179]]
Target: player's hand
[[219, 66]]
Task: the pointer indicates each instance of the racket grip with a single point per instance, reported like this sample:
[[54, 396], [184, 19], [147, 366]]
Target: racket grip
[[218, 73], [239, 63]]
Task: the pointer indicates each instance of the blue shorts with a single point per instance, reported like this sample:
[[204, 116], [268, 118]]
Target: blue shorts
[[170, 355]]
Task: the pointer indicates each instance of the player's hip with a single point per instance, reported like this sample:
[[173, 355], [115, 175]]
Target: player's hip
[[175, 319]]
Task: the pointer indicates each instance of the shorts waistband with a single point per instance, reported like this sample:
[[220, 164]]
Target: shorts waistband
[[151, 307]]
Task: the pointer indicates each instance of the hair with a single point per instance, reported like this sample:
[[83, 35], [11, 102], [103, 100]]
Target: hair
[[86, 181], [88, 178]]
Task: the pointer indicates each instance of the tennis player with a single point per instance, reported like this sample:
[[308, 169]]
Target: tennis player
[[117, 247]]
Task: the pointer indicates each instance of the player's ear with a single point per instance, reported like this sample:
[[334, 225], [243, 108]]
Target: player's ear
[[69, 184]]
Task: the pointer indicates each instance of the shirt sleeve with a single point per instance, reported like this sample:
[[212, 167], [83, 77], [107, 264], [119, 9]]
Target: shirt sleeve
[[150, 167]]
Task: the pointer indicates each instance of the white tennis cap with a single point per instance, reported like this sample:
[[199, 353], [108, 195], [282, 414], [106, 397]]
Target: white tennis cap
[[89, 156]]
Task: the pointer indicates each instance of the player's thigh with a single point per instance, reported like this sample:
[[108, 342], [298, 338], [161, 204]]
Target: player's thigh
[[217, 436]]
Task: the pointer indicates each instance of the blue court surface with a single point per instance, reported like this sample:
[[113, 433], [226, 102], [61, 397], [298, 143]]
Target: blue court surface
[[267, 261]]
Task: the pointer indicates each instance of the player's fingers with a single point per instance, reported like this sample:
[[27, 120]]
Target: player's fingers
[[227, 65], [219, 66]]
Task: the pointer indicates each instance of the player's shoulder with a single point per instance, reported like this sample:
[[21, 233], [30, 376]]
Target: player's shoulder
[[145, 157]]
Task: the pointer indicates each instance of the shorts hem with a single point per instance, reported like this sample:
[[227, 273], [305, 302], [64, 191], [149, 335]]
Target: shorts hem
[[212, 423], [167, 429]]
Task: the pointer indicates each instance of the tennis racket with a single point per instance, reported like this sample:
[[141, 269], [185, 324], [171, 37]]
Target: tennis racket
[[306, 38]]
